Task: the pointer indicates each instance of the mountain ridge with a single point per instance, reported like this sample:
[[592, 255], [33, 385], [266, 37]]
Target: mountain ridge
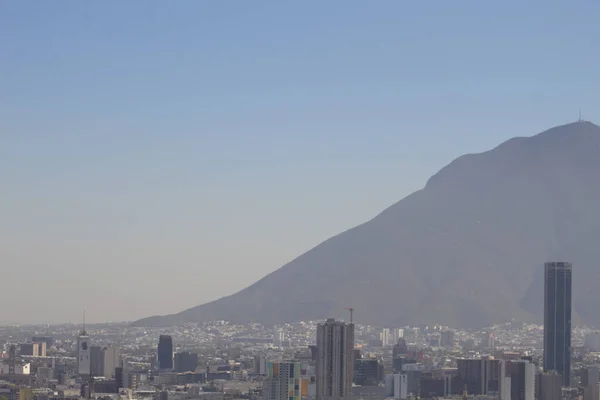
[[461, 251]]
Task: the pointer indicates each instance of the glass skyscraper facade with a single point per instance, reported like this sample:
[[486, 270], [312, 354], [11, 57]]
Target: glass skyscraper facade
[[557, 319], [165, 352]]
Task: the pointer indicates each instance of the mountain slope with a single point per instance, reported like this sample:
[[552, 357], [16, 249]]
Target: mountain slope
[[463, 251]]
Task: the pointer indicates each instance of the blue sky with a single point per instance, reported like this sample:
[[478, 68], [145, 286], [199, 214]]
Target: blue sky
[[155, 155]]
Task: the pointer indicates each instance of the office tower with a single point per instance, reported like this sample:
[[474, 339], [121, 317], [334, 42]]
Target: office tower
[[400, 348], [96, 361], [557, 319], [41, 348], [279, 337], [522, 379], [483, 376], [396, 386], [111, 357], [592, 392], [367, 371], [386, 337], [590, 376], [28, 349], [284, 381], [165, 352], [119, 378], [335, 359], [83, 353], [186, 361], [548, 386], [259, 366]]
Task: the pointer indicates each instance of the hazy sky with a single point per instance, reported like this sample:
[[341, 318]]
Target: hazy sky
[[155, 155]]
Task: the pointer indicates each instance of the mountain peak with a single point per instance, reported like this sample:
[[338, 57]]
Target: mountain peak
[[464, 251]]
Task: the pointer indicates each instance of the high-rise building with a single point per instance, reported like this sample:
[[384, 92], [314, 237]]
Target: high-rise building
[[400, 348], [335, 359], [186, 361], [104, 360], [483, 376], [396, 386], [83, 353], [284, 381], [111, 357], [279, 338], [386, 337], [557, 319], [590, 376], [165, 352], [548, 386], [35, 349], [29, 349], [367, 371], [41, 348], [96, 361], [592, 392], [259, 365], [522, 379]]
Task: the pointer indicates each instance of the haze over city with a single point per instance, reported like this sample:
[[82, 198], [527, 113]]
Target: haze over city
[[155, 156]]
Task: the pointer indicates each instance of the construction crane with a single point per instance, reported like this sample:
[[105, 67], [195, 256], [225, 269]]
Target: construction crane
[[351, 314]]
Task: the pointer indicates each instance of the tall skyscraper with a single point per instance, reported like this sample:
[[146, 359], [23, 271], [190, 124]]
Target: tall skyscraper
[[165, 352], [111, 356], [386, 337], [96, 361], [335, 359], [186, 361], [83, 353], [557, 319]]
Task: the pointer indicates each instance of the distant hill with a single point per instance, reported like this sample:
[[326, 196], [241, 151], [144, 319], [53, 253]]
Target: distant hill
[[463, 251]]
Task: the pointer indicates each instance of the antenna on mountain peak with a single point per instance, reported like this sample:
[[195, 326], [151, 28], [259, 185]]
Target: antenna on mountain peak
[[580, 120]]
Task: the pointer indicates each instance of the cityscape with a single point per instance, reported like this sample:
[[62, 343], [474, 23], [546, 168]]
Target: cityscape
[[299, 200], [318, 360]]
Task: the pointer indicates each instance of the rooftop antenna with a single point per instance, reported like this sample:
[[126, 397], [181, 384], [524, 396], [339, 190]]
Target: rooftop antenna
[[83, 331]]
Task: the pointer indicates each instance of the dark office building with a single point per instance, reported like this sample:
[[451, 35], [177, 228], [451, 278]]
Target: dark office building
[[186, 361], [400, 348], [367, 372], [589, 376], [522, 379], [557, 319], [482, 376], [548, 386], [165, 352], [119, 377], [434, 384]]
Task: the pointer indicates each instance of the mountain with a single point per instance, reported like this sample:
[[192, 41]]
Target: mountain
[[467, 250]]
